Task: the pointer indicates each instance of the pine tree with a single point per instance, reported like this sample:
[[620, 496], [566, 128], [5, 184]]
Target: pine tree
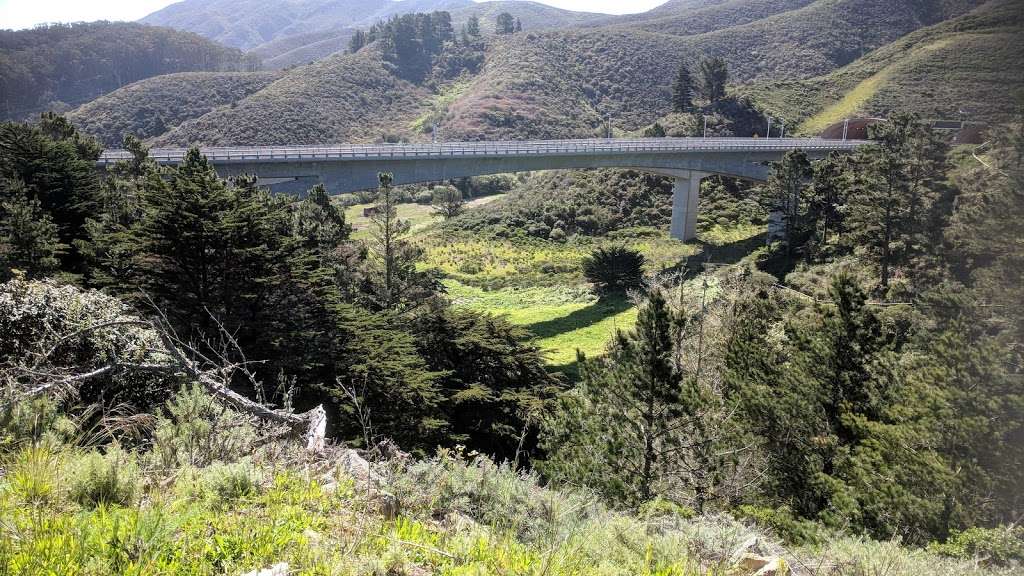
[[505, 23], [519, 25], [357, 42], [897, 181], [473, 26], [787, 192], [825, 201], [55, 167], [682, 90], [398, 283], [618, 432], [28, 236], [714, 74]]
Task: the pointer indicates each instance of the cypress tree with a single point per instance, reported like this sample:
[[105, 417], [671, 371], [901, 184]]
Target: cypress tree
[[682, 90], [787, 192], [714, 74]]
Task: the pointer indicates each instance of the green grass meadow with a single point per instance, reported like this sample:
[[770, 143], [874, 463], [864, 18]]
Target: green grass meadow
[[539, 284]]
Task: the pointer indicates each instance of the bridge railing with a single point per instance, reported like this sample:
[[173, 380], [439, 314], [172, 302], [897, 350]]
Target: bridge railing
[[474, 149]]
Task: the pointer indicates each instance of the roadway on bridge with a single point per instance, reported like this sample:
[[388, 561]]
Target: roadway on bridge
[[525, 148]]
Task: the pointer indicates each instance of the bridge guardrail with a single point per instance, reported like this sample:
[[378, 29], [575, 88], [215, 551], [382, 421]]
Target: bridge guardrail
[[472, 149]]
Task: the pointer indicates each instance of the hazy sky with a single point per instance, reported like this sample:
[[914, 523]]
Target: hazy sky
[[26, 13]]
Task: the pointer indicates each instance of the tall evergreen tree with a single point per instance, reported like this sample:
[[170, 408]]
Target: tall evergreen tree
[[787, 192], [825, 202], [505, 23], [53, 168], [682, 90], [357, 42], [897, 181], [28, 235], [714, 73], [473, 26], [397, 282]]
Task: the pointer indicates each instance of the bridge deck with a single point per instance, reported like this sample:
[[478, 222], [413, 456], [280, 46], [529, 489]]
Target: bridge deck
[[342, 152]]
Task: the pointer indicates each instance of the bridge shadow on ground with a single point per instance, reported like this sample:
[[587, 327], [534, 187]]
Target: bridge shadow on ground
[[604, 308], [720, 254]]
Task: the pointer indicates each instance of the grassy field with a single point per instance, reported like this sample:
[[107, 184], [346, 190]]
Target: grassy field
[[539, 283], [854, 101], [564, 318]]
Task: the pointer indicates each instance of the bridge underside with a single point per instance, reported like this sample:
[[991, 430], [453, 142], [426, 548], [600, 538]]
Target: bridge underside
[[355, 174], [352, 174]]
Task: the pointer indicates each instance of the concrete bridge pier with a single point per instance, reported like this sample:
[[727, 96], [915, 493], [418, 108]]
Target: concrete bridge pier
[[686, 204]]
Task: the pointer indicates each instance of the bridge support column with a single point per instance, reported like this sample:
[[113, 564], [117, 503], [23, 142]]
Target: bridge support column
[[685, 205]]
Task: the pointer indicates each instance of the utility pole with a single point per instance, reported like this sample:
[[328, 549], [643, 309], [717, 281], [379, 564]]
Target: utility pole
[[846, 127], [705, 125], [783, 132], [769, 127]]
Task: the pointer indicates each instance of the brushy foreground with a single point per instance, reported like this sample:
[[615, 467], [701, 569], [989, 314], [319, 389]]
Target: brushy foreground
[[184, 502]]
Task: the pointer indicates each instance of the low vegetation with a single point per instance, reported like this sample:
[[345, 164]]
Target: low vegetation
[[152, 107], [932, 72]]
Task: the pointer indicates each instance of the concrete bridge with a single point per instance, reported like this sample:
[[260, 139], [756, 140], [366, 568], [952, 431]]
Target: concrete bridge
[[348, 168]]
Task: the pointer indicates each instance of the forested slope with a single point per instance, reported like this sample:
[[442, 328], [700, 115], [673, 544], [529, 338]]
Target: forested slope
[[66, 65]]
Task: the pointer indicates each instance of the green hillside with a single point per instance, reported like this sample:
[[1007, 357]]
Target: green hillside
[[972, 62], [65, 65], [344, 98], [303, 48], [247, 24], [711, 17], [153, 106], [568, 83]]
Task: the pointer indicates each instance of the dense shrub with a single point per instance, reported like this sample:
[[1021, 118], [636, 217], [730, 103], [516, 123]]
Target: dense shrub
[[783, 523], [1000, 546], [590, 203], [614, 269], [195, 430], [111, 478], [229, 482]]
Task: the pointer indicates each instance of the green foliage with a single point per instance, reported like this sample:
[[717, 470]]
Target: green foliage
[[28, 236], [614, 269], [397, 281], [999, 546], [150, 108], [196, 431], [784, 524], [787, 193], [590, 203], [714, 75], [490, 367], [682, 90], [67, 64], [412, 41], [33, 477], [898, 180], [103, 479], [505, 23], [448, 201], [641, 424], [48, 182], [229, 482]]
